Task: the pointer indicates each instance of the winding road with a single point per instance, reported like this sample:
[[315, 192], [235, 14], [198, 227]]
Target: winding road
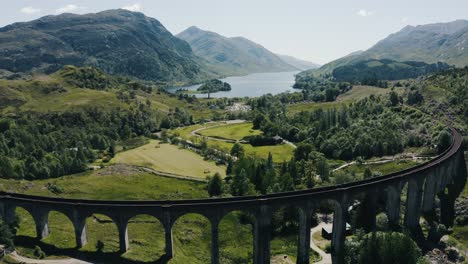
[[326, 258]]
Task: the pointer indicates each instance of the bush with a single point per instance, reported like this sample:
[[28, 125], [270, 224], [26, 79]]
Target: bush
[[39, 253], [388, 248]]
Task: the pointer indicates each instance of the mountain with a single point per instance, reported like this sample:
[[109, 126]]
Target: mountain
[[298, 63], [370, 71], [431, 43], [117, 41], [232, 56]]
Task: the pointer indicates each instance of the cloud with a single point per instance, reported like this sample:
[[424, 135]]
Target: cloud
[[29, 10], [66, 9], [134, 7], [404, 20], [364, 13]]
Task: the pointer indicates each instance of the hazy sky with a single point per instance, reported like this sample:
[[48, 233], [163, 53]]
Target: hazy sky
[[318, 31]]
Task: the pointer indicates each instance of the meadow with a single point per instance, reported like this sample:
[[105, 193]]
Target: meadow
[[280, 153], [166, 158]]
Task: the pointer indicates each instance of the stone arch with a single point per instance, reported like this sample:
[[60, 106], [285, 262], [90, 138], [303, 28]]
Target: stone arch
[[61, 230], [236, 234], [295, 238], [27, 224], [192, 237], [146, 238], [102, 228]]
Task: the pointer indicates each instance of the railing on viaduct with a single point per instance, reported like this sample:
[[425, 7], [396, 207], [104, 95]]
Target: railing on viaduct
[[444, 176]]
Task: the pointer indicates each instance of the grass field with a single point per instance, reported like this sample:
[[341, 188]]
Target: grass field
[[358, 92], [384, 168], [167, 158], [191, 232], [234, 131], [280, 153]]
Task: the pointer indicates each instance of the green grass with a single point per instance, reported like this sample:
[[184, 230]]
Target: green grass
[[234, 131], [280, 153], [286, 245], [359, 92], [384, 168], [311, 106], [115, 182], [191, 232], [167, 158]]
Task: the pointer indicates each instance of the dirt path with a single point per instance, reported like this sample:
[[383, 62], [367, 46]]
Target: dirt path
[[22, 259]]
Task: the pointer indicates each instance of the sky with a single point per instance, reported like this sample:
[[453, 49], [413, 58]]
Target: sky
[[318, 31]]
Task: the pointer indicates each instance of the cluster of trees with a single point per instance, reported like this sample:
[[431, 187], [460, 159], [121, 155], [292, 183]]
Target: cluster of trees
[[213, 86], [36, 146], [177, 117], [374, 126], [382, 247], [86, 77], [320, 90], [453, 84]]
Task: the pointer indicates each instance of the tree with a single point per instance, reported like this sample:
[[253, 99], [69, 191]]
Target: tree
[[240, 184], [237, 150], [215, 185], [322, 169], [393, 98], [367, 173], [258, 120], [6, 234], [444, 141], [388, 248]]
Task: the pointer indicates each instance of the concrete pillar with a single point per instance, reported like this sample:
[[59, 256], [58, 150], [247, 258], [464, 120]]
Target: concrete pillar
[[305, 224], [262, 233], [369, 207], [2, 211], [79, 224], [168, 222], [41, 219], [214, 241], [339, 230], [392, 204], [9, 215], [413, 204], [122, 226], [429, 192]]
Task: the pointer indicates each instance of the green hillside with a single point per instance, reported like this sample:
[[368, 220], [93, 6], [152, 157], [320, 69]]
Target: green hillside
[[431, 43], [117, 41], [372, 70]]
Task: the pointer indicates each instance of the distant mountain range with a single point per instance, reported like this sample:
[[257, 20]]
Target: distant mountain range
[[298, 63], [117, 41], [431, 43], [232, 56]]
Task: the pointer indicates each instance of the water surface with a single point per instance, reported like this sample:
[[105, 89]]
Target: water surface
[[252, 85]]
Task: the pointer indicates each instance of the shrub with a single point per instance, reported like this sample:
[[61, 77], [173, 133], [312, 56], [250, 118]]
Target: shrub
[[39, 253]]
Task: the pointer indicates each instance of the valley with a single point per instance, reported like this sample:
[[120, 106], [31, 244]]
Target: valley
[[121, 142]]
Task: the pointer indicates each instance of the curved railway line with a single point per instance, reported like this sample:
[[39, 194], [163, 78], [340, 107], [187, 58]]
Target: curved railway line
[[442, 176]]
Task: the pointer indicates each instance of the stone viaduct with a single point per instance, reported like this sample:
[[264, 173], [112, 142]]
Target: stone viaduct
[[443, 176]]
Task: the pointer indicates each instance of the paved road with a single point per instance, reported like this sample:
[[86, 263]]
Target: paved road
[[326, 258]]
